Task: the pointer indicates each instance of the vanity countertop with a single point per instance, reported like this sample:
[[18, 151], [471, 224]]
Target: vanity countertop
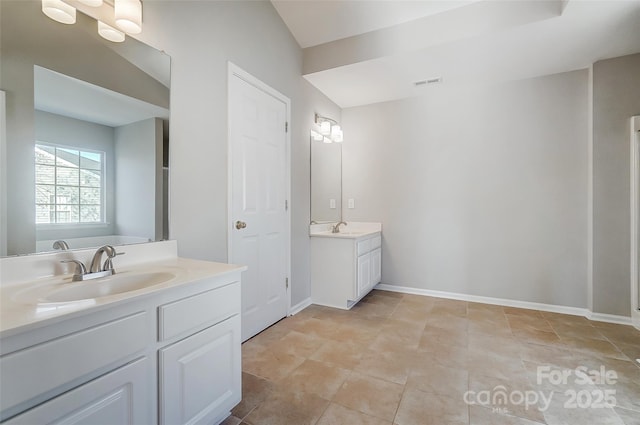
[[343, 234], [18, 311], [352, 230]]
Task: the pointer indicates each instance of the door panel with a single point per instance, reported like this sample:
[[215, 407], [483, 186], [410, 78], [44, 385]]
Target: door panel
[[258, 146], [364, 273], [200, 375], [250, 177], [376, 266]]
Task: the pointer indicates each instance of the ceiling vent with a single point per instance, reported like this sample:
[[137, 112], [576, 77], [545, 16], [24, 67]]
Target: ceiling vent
[[435, 80]]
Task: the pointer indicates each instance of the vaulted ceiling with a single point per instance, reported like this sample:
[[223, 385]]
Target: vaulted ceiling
[[366, 51]]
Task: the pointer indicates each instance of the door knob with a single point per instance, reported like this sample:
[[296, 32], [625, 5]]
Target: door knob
[[240, 224]]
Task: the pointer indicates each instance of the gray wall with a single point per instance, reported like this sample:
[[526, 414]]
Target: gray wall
[[481, 190], [67, 131], [201, 37], [616, 98], [310, 101], [138, 170]]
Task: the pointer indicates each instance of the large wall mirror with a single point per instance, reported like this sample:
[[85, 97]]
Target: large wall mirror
[[85, 147], [326, 182]]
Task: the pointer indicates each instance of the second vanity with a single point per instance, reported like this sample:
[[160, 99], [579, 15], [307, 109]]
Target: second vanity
[[345, 266], [166, 353]]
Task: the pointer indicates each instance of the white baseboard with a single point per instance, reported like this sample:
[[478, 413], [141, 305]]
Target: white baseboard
[[295, 309], [609, 318], [575, 311]]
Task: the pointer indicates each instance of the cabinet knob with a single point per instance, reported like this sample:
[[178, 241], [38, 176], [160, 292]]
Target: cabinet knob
[[240, 225]]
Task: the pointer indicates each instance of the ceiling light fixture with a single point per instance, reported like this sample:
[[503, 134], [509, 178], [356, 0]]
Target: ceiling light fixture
[[59, 11], [326, 130], [127, 14]]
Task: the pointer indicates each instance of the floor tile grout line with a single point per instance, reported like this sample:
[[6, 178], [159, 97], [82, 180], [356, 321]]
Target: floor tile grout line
[[379, 314]]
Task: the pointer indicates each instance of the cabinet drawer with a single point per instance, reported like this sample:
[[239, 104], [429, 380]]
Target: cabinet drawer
[[198, 311], [119, 397], [363, 247], [48, 365], [376, 242]]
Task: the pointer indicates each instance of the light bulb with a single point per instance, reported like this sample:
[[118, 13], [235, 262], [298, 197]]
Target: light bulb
[[59, 11]]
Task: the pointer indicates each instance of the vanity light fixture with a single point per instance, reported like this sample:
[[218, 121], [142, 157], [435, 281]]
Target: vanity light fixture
[[326, 130], [92, 3], [110, 33], [317, 137], [59, 11], [127, 15]]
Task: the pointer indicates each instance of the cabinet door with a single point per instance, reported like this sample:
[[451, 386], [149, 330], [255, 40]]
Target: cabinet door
[[364, 274], [376, 266], [119, 397], [200, 378]]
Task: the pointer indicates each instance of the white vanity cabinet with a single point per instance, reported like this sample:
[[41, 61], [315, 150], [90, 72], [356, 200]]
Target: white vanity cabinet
[[119, 397], [200, 376], [170, 357], [344, 269]]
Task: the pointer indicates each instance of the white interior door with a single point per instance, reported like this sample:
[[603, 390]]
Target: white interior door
[[259, 189], [635, 221]]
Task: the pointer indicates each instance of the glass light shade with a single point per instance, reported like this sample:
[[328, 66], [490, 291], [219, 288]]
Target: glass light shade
[[325, 128], [92, 3], [317, 137], [110, 33], [128, 14], [59, 11], [326, 140], [338, 136], [335, 130]]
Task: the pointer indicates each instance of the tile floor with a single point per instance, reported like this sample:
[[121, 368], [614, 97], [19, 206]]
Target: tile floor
[[410, 360]]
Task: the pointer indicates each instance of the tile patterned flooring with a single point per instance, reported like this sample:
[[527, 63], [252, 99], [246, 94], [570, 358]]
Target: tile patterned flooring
[[398, 359]]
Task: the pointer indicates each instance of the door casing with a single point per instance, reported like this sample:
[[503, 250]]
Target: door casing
[[235, 71]]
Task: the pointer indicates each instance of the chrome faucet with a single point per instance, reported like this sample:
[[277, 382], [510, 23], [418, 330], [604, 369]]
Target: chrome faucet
[[60, 244], [97, 259], [81, 270], [336, 228], [95, 271]]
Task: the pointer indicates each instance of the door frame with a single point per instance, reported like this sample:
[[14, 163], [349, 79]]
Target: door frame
[[3, 174], [234, 71], [635, 218]]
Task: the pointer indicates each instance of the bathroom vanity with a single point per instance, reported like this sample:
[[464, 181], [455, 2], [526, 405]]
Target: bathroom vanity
[[345, 266], [159, 342]]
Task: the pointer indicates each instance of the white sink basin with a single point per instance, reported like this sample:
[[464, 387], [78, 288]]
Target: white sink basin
[[66, 291]]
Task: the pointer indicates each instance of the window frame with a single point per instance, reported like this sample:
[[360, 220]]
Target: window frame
[[103, 189]]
